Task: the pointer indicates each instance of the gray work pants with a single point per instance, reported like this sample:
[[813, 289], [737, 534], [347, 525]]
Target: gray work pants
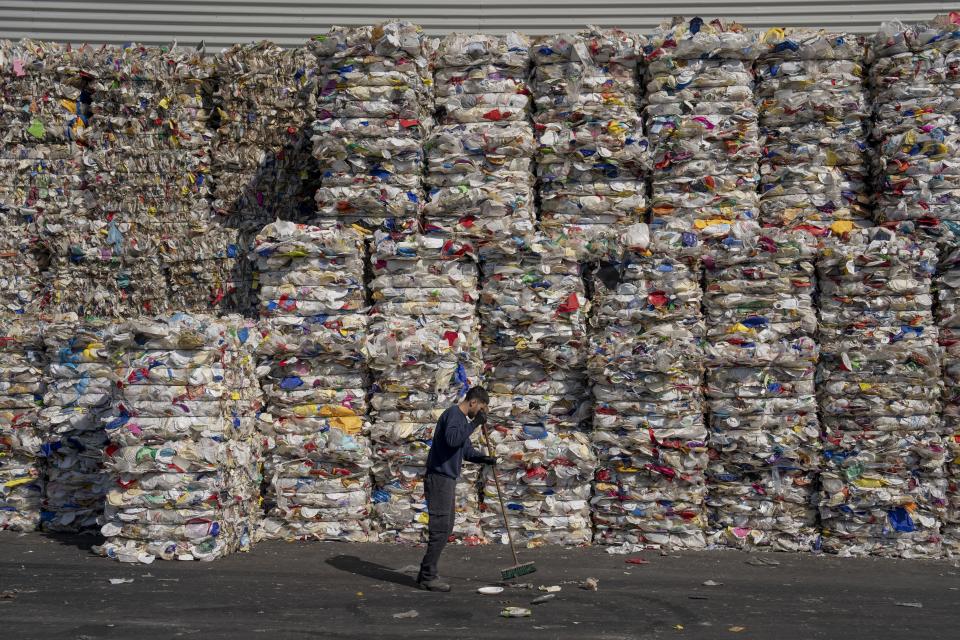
[[441, 507]]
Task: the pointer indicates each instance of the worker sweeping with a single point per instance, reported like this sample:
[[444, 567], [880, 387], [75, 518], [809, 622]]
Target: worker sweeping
[[450, 447]]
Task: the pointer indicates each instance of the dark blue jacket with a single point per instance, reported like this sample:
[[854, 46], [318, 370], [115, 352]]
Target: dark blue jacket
[[451, 444]]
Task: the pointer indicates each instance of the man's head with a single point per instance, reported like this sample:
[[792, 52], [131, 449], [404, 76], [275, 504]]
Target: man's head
[[476, 401]]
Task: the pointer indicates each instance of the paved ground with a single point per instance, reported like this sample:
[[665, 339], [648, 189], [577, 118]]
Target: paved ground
[[54, 588]]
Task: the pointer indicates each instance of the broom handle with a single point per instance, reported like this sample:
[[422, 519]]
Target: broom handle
[[496, 482]]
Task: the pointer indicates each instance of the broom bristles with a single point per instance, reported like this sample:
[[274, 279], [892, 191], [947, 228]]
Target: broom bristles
[[519, 570]]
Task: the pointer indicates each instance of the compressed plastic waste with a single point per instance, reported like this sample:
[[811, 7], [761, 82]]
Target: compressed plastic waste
[[915, 88], [533, 311], [480, 154], [315, 383], [183, 455], [645, 361], [21, 464], [592, 155], [264, 101], [948, 322], [761, 357], [814, 117], [423, 350], [883, 481], [81, 378], [374, 112], [703, 128]]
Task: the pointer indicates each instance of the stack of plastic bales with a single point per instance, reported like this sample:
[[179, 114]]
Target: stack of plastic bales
[[813, 127], [265, 98], [183, 456], [80, 382], [479, 157], [646, 365], [762, 354], [592, 155], [915, 81], [533, 310], [703, 129], [44, 94], [317, 445], [883, 485], [424, 352], [948, 322], [21, 467], [373, 115]]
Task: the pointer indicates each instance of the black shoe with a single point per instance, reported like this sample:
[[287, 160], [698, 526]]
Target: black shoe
[[433, 585]]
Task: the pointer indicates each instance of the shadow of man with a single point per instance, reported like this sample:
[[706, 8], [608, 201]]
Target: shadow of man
[[353, 564]]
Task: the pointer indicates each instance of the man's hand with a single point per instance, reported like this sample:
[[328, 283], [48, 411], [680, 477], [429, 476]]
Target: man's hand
[[486, 460], [480, 420]]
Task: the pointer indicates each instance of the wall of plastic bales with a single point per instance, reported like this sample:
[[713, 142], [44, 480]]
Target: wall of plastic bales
[[706, 272]]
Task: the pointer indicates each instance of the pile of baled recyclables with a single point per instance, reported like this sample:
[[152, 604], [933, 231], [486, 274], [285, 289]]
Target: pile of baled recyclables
[[708, 274]]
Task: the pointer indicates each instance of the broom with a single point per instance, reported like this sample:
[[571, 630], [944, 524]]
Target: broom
[[518, 569]]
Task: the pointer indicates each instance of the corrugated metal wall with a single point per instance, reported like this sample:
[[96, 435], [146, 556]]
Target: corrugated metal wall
[[223, 22]]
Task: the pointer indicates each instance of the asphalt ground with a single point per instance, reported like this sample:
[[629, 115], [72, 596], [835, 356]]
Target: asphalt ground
[[54, 587]]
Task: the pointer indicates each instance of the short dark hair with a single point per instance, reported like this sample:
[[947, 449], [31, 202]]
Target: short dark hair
[[479, 394]]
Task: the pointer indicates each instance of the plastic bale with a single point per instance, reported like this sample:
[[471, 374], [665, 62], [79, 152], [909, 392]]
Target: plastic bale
[[948, 321], [592, 156], [533, 311], [424, 354], [883, 484], [318, 454], [183, 454], [81, 377], [915, 89], [374, 113], [814, 118], [764, 433], [264, 101], [703, 128], [22, 360], [480, 155], [645, 362]]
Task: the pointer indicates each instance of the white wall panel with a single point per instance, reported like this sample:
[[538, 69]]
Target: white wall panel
[[223, 22]]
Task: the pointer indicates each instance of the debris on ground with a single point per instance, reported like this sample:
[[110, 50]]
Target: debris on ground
[[515, 612], [413, 613], [590, 584]]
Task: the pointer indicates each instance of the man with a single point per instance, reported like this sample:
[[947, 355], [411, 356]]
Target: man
[[451, 446]]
